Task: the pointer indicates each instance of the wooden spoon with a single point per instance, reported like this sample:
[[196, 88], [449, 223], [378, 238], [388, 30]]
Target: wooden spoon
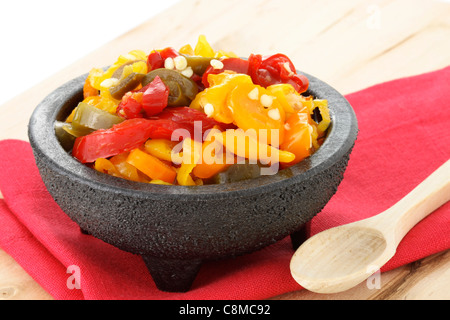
[[339, 258]]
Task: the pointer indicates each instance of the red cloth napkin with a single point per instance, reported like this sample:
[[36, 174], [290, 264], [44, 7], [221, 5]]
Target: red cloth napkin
[[403, 138]]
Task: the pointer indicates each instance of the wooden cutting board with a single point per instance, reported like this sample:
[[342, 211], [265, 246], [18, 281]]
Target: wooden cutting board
[[350, 44]]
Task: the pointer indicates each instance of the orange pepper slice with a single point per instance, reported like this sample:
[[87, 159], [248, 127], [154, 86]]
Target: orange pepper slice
[[151, 166], [88, 89], [212, 163], [253, 107], [160, 148], [298, 136]]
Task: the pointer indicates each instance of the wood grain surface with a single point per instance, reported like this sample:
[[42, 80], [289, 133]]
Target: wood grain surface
[[350, 44]]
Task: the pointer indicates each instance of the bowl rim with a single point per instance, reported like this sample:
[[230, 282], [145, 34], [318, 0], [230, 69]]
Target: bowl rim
[[339, 141]]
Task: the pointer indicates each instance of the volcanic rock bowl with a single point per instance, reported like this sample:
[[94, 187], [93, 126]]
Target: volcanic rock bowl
[[176, 228]]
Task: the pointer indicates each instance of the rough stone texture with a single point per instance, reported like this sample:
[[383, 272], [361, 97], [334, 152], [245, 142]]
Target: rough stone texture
[[168, 225]]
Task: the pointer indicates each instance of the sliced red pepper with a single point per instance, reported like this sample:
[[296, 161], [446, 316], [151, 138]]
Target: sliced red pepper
[[164, 129], [275, 69], [131, 106], [147, 101], [169, 52], [185, 117], [232, 64], [122, 137], [132, 133], [254, 62], [156, 59], [155, 97], [299, 82]]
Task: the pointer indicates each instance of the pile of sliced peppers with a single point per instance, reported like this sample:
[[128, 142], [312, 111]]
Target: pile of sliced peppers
[[129, 122]]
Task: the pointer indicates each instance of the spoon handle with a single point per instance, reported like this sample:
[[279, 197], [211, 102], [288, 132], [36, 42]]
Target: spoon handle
[[429, 195]]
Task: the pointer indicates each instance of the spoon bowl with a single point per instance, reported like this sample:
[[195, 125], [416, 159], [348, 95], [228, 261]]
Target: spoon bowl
[[339, 258], [353, 246]]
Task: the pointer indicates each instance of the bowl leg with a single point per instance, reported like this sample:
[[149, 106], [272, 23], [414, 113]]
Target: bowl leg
[[301, 235], [172, 275]]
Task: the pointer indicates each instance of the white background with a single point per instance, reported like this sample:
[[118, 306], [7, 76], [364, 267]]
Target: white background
[[40, 37]]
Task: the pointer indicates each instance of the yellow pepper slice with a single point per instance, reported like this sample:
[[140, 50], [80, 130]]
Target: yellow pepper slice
[[246, 145], [325, 114], [184, 175], [106, 166], [137, 67], [187, 49], [160, 148], [213, 100], [160, 182], [97, 76], [107, 102], [71, 115], [281, 91], [203, 48], [127, 171], [191, 156], [227, 54]]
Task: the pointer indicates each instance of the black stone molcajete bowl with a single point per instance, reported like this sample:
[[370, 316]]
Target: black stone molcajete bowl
[[176, 228]]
